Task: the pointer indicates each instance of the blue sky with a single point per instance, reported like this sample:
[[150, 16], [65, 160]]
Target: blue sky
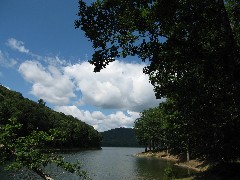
[[43, 56]]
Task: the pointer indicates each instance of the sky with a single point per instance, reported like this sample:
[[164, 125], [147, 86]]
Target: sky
[[44, 57]]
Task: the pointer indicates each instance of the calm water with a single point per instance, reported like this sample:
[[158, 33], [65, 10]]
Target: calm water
[[109, 164]]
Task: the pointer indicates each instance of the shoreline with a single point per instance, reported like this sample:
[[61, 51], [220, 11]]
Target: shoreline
[[71, 149], [199, 166]]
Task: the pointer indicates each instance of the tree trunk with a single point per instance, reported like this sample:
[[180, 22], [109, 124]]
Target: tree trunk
[[188, 156], [153, 145], [42, 174], [150, 145]]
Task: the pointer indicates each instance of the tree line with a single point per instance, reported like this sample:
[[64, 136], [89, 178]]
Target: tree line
[[36, 116], [192, 49], [119, 137], [28, 130]]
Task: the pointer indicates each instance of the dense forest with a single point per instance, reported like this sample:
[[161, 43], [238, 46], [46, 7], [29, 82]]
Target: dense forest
[[119, 137], [36, 116], [192, 50], [29, 131]]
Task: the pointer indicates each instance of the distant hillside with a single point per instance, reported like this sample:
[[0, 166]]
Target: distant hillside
[[36, 116], [119, 137]]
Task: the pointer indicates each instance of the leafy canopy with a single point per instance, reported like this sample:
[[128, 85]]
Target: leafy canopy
[[27, 152], [193, 49]]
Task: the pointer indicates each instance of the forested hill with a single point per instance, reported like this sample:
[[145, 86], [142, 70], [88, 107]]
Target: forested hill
[[36, 116], [119, 137]]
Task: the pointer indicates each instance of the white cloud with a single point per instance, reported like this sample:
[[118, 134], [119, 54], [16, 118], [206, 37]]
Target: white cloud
[[6, 87], [100, 121], [6, 61], [119, 86], [17, 45], [55, 61], [48, 83]]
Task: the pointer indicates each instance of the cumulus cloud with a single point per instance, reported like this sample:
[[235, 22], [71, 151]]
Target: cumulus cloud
[[119, 86], [48, 82], [17, 45], [6, 61], [100, 121]]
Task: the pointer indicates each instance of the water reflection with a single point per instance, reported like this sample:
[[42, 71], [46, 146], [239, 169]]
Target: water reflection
[[152, 168], [113, 164]]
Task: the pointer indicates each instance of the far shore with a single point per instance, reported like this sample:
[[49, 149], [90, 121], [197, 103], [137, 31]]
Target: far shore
[[71, 149], [199, 166]]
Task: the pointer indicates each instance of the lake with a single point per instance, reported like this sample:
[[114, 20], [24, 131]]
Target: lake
[[109, 163]]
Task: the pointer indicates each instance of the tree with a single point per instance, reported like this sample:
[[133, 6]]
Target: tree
[[28, 128], [119, 137], [163, 128], [150, 129], [194, 54], [37, 116], [41, 102], [27, 151], [179, 133]]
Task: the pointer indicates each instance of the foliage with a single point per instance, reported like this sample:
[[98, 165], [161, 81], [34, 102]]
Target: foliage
[[119, 137], [26, 151], [28, 128], [194, 53], [150, 128], [36, 116], [169, 174]]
